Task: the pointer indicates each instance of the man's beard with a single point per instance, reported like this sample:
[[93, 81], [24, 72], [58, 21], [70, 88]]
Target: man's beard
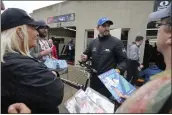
[[106, 33], [42, 35]]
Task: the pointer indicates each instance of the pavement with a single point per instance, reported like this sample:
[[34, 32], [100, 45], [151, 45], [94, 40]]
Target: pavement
[[73, 75]]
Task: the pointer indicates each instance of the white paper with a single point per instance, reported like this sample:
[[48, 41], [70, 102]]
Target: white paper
[[81, 103], [100, 100]]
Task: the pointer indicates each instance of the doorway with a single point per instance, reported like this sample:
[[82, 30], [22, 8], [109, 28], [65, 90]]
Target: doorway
[[63, 37], [150, 51], [89, 36]]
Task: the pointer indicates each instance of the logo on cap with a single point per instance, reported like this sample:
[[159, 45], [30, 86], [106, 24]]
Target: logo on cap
[[163, 5]]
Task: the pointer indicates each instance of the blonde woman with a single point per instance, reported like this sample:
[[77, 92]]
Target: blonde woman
[[24, 79]]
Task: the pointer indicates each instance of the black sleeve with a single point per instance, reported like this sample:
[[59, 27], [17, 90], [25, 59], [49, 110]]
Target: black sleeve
[[120, 56], [38, 87], [88, 49]]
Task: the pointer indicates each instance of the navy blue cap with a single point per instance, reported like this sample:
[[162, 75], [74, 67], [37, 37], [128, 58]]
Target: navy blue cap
[[42, 23], [13, 17], [104, 20]]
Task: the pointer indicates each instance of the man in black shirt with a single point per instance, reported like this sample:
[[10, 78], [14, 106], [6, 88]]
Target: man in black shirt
[[107, 52]]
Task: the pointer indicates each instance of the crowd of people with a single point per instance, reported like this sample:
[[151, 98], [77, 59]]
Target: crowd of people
[[28, 86]]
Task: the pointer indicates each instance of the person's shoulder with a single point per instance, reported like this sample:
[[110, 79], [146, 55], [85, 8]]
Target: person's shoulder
[[95, 40], [31, 68], [54, 47], [13, 56], [16, 59], [133, 46], [157, 90], [115, 38]]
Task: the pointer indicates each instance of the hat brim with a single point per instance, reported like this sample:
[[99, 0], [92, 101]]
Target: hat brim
[[109, 22], [47, 26], [155, 16], [37, 24], [38, 27], [33, 23]]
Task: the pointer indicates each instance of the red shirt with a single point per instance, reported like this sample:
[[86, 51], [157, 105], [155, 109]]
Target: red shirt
[[54, 52]]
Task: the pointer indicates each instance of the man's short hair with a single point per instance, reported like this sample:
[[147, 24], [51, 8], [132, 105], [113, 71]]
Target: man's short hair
[[139, 38]]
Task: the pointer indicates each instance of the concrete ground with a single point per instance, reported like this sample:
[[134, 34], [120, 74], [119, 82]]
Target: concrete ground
[[74, 75]]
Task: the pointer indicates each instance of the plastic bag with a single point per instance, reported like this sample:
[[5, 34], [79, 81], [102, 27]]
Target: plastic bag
[[62, 64], [51, 63], [81, 103]]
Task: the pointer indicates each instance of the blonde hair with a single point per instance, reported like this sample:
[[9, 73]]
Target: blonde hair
[[10, 42]]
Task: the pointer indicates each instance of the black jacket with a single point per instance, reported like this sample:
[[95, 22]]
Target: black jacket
[[107, 53], [26, 80]]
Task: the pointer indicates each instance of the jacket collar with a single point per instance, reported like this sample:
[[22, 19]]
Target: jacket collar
[[104, 37]]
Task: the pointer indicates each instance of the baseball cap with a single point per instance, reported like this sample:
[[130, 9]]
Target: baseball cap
[[103, 20], [155, 16], [42, 23], [13, 17]]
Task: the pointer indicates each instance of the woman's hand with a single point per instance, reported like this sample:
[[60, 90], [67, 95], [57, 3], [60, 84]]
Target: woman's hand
[[18, 108], [120, 94]]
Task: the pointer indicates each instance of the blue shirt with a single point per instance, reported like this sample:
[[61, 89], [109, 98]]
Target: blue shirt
[[150, 71]]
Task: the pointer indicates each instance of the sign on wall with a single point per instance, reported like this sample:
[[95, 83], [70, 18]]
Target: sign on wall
[[161, 4], [61, 18]]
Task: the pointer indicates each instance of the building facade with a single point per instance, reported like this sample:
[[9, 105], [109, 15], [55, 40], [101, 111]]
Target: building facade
[[130, 15]]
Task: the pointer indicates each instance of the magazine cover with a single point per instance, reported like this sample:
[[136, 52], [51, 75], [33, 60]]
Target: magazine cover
[[81, 103], [116, 84], [100, 100]]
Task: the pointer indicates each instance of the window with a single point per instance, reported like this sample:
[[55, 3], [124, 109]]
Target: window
[[90, 34]]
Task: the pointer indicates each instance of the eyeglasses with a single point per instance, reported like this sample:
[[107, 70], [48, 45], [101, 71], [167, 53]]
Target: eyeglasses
[[158, 25]]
